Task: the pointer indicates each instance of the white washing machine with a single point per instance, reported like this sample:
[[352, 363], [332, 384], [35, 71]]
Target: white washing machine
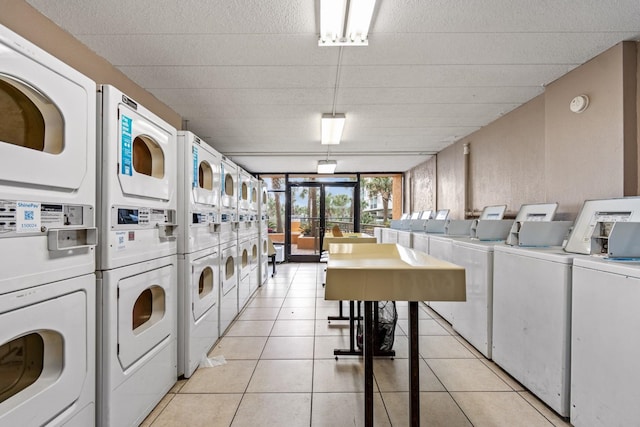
[[405, 238], [473, 318], [137, 352], [138, 200], [377, 233], [604, 350], [198, 194], [47, 238], [244, 272], [198, 307], [532, 320], [389, 235], [420, 242], [229, 273], [441, 247], [47, 354]]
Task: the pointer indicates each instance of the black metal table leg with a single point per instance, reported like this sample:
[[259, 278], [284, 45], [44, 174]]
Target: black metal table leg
[[340, 316], [414, 367], [368, 365], [351, 351]]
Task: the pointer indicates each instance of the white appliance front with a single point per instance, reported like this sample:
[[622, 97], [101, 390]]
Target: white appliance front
[[228, 186], [255, 265], [137, 345], [532, 320], [604, 350], [244, 191], [47, 161], [420, 242], [389, 235], [198, 293], [47, 354], [405, 238], [138, 180], [441, 247], [229, 273], [198, 194], [473, 318], [244, 272], [264, 258], [254, 200]]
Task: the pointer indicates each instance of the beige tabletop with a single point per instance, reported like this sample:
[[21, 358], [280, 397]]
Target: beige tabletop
[[389, 272], [347, 238]]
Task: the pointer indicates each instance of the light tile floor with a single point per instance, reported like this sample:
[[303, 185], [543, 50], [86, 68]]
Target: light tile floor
[[281, 371]]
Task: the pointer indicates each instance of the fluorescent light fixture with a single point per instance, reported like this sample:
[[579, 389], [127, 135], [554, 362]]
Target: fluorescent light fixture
[[358, 16], [332, 127], [327, 166]]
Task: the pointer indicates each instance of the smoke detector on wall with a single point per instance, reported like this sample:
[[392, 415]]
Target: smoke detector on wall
[[579, 103]]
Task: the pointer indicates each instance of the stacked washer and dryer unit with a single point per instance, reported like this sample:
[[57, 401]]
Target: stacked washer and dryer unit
[[245, 227], [198, 250], [254, 235], [263, 234], [228, 242], [47, 239], [137, 264]]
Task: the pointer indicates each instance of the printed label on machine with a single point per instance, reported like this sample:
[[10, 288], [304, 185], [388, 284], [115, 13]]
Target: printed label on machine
[[27, 217], [126, 146], [194, 151], [121, 240]]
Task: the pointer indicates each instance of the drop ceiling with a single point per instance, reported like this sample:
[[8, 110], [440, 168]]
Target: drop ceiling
[[250, 79]]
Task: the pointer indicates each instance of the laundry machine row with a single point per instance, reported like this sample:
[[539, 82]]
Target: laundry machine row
[[47, 239], [136, 262], [229, 269], [263, 234]]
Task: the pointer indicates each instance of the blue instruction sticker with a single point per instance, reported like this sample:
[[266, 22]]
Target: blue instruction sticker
[[222, 181], [126, 147], [194, 151]]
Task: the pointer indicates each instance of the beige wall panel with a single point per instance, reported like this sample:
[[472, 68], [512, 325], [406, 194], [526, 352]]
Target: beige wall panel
[[450, 181], [507, 159], [423, 186], [584, 152], [23, 19]]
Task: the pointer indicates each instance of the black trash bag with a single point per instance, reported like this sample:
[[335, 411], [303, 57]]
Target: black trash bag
[[385, 328]]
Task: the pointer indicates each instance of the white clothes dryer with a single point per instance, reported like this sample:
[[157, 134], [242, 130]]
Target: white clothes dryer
[[198, 292], [255, 265], [47, 354], [198, 194], [137, 343], [229, 273], [254, 199], [244, 272], [137, 203], [47, 161], [228, 186], [264, 258], [244, 191]]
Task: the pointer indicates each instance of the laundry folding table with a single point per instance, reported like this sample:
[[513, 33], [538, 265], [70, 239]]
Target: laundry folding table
[[389, 272]]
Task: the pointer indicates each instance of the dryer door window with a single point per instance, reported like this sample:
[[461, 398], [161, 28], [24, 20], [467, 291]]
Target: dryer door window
[[229, 270], [21, 362], [204, 285], [43, 358], [44, 126], [143, 148], [229, 178], [207, 189], [144, 318], [254, 256]]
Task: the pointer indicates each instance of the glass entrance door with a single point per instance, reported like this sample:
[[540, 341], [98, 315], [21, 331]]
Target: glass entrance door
[[315, 209]]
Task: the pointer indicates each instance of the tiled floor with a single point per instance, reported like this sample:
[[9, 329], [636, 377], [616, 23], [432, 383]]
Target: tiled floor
[[280, 371]]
